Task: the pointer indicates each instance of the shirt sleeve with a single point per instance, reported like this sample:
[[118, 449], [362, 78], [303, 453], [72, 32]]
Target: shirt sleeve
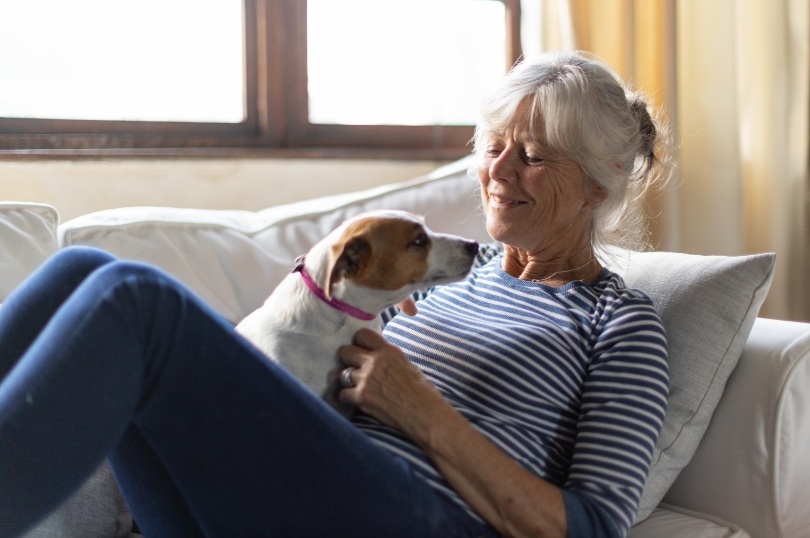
[[622, 409], [587, 517], [486, 253]]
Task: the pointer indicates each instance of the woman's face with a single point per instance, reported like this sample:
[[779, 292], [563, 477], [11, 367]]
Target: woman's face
[[534, 199]]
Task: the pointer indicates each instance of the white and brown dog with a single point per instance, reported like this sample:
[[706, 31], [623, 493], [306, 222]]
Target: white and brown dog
[[369, 263]]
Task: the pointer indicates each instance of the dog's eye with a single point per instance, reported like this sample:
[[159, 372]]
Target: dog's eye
[[421, 240]]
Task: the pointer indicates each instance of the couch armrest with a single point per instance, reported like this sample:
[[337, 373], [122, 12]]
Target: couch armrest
[[751, 467]]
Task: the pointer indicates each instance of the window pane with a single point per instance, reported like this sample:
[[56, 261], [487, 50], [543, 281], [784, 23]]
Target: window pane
[[158, 60], [402, 62]]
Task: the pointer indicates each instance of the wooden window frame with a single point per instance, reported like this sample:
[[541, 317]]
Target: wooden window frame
[[276, 105]]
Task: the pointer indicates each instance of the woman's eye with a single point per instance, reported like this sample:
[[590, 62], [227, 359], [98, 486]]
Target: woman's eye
[[420, 241], [532, 158]]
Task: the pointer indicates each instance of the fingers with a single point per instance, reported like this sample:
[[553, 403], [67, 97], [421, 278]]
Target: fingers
[[366, 341], [352, 385], [350, 396], [370, 351], [380, 369], [408, 306], [345, 377], [386, 385], [369, 339], [356, 394], [353, 355]]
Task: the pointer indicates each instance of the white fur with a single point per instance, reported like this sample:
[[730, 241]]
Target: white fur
[[304, 334]]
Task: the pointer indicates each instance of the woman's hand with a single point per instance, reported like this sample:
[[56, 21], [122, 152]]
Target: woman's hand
[[387, 385]]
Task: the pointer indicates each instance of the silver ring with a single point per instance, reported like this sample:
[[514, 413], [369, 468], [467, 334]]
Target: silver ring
[[346, 377]]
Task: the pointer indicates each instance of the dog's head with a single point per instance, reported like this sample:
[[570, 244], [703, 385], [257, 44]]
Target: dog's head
[[394, 253]]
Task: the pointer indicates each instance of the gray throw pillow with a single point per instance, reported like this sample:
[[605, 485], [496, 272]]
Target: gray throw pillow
[[708, 305]]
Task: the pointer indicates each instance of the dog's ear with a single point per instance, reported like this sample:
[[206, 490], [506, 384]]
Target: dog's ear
[[347, 259]]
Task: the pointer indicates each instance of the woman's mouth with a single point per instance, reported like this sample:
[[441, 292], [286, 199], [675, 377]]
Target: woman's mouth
[[503, 202]]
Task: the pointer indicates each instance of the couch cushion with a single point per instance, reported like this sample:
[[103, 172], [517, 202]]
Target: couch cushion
[[97, 509], [708, 305], [234, 259], [673, 522], [27, 238]]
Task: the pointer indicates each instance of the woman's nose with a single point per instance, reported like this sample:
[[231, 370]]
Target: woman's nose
[[503, 166]]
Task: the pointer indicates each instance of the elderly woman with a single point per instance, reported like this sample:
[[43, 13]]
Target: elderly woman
[[522, 401]]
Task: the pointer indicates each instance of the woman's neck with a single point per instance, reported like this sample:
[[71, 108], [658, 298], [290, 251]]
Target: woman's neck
[[552, 268]]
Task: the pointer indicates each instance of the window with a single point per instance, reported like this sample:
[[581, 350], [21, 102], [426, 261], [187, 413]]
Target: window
[[137, 60], [244, 77]]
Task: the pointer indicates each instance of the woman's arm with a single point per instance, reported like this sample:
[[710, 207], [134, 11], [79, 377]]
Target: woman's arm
[[394, 391]]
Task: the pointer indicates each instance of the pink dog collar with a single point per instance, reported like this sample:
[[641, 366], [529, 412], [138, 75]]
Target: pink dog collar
[[337, 304]]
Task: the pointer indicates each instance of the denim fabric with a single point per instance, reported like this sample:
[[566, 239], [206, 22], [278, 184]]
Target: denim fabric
[[206, 437]]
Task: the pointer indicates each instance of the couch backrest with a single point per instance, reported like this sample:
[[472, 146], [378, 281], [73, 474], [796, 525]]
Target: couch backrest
[[234, 259], [27, 238]]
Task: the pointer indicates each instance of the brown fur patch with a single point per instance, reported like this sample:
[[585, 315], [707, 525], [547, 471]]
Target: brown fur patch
[[391, 262]]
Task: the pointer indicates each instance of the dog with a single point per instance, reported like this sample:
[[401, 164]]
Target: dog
[[370, 262]]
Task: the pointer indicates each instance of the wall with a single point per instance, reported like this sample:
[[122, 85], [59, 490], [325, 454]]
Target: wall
[[79, 187]]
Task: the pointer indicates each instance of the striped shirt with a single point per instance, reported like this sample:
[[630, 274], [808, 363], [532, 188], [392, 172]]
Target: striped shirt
[[570, 382]]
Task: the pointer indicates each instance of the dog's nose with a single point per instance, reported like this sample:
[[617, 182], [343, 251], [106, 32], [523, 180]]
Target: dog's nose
[[471, 247]]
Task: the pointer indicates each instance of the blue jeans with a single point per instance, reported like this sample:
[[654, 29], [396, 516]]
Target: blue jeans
[[206, 437]]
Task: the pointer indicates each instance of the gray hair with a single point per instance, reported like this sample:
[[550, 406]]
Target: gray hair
[[581, 108]]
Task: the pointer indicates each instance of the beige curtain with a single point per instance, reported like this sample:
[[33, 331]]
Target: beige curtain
[[732, 77]]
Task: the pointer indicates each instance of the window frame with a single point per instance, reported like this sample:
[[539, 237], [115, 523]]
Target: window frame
[[276, 106]]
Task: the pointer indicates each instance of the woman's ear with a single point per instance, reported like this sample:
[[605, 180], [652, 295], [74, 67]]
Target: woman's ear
[[597, 195]]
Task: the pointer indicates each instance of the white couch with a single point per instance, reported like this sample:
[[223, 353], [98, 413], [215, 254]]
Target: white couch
[[750, 474]]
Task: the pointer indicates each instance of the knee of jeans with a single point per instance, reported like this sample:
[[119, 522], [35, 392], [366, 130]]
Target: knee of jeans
[[81, 256], [127, 270], [142, 293]]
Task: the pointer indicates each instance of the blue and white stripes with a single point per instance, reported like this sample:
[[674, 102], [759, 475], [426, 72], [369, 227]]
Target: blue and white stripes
[[570, 382]]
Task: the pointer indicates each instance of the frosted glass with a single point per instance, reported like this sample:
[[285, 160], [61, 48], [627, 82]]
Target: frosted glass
[[158, 60], [402, 62]]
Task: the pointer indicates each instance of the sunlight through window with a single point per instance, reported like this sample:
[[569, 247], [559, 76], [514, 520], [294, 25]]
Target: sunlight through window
[[149, 60], [402, 62]]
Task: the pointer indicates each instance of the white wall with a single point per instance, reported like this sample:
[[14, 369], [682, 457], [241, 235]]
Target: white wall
[[79, 187]]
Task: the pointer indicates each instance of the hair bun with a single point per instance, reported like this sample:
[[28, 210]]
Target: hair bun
[[646, 127]]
